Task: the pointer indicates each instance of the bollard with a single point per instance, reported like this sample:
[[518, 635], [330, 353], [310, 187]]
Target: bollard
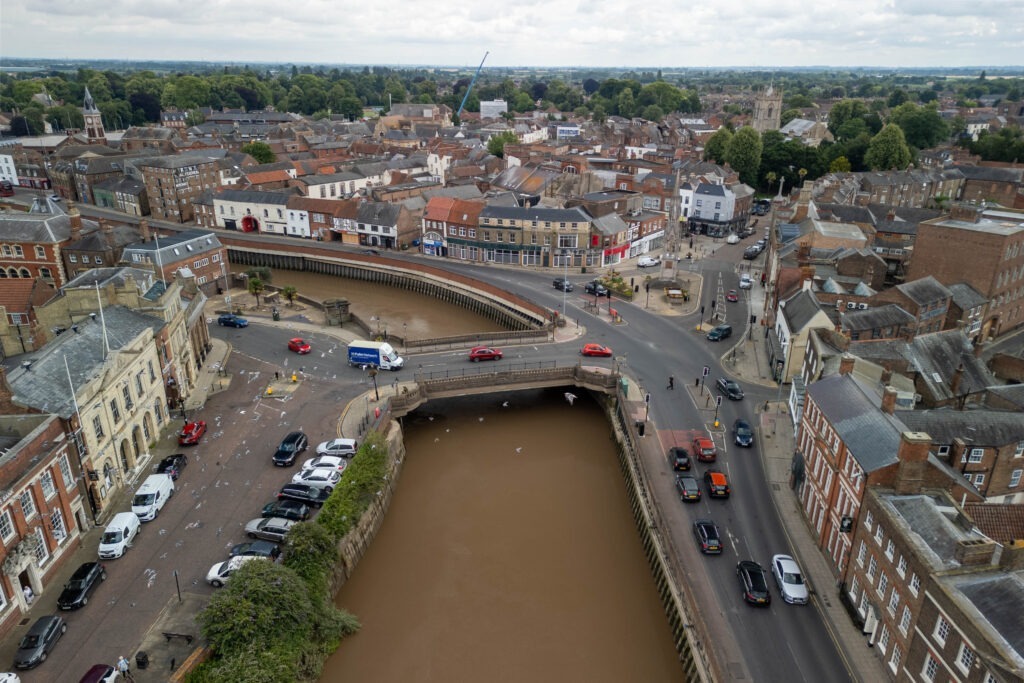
[[270, 390], [295, 378]]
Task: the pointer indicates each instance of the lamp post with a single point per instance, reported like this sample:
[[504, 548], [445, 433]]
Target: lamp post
[[373, 375], [565, 277], [227, 286]]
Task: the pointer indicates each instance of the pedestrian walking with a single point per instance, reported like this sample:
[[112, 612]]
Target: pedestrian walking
[[123, 668], [671, 382]]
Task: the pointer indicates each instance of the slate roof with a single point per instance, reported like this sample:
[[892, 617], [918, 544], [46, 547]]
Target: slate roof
[[45, 223], [710, 190], [966, 297], [174, 161], [877, 317], [799, 310], [998, 598], [609, 224], [871, 435], [45, 385], [378, 213], [992, 173], [170, 246], [120, 236], [536, 213], [936, 358], [254, 197], [930, 528], [924, 291], [113, 275], [1011, 393], [1002, 522], [979, 428], [122, 184]]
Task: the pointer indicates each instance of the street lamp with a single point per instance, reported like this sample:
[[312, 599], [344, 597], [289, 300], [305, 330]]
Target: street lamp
[[227, 287], [565, 277]]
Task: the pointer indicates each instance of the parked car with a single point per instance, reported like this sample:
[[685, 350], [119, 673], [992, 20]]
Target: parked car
[[304, 493], [322, 477], [742, 433], [229, 320], [751, 252], [596, 350], [762, 243], [730, 388], [753, 582], [733, 239], [708, 539], [563, 285], [299, 345], [343, 448], [326, 462], [39, 641], [732, 296], [718, 485], [269, 528], [290, 447], [479, 353], [596, 288], [704, 448], [790, 580], [678, 459], [81, 584], [371, 252], [97, 673], [191, 433], [172, 465], [222, 571], [687, 488], [746, 282], [287, 509], [647, 261], [719, 333], [256, 549]]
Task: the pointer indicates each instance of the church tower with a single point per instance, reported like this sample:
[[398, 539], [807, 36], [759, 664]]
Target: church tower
[[768, 110], [93, 121]]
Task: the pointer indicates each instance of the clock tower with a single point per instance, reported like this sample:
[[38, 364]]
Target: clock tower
[[93, 121]]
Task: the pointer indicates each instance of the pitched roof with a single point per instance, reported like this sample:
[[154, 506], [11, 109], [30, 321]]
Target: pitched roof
[[871, 435], [1002, 522], [990, 428], [925, 290], [889, 315], [938, 355], [45, 223], [378, 213], [16, 294], [799, 310]]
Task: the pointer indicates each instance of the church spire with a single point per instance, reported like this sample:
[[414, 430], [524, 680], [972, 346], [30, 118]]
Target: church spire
[[89, 106]]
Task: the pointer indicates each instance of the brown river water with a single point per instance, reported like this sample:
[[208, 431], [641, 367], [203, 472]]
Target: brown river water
[[509, 552]]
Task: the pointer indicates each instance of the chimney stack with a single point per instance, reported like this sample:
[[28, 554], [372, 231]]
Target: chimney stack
[[846, 363], [886, 376], [76, 224], [913, 462], [954, 383], [889, 400], [979, 347], [968, 213], [144, 229]]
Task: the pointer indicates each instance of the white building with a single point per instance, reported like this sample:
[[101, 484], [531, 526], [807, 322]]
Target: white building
[[252, 211], [492, 109]]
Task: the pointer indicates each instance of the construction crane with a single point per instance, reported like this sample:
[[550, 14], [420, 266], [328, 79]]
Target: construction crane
[[470, 88]]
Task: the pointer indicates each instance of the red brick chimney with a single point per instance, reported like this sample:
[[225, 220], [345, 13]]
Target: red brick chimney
[[76, 224], [979, 347], [144, 229], [954, 383], [889, 400], [913, 461], [846, 363], [962, 211], [7, 404]]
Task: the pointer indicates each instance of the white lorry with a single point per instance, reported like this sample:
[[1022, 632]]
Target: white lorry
[[374, 354]]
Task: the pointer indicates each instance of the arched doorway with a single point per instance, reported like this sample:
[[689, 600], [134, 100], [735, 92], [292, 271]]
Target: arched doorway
[[127, 456], [139, 443], [250, 224]]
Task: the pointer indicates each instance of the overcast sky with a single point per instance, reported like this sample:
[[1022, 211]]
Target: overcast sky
[[758, 33]]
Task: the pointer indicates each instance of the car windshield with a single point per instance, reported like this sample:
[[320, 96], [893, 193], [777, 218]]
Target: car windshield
[[76, 585], [29, 641], [287, 447], [112, 537]]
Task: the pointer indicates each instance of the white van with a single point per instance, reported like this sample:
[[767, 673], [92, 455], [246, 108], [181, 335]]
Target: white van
[[152, 496], [119, 535]]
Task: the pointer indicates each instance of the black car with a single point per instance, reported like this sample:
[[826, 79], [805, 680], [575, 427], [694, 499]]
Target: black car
[[371, 252], [290, 447], [687, 488], [256, 549], [596, 288], [678, 459], [751, 252], [742, 432], [562, 284], [730, 388], [708, 538], [82, 582], [304, 493], [754, 583], [230, 320], [40, 639], [172, 465], [719, 333], [286, 509]]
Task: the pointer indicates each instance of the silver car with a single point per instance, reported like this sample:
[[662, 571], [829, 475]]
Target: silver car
[[321, 477], [269, 528], [791, 583]]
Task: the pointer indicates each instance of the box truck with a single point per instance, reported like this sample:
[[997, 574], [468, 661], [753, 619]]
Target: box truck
[[374, 354]]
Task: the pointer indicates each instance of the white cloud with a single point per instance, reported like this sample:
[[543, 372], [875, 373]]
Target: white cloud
[[528, 32]]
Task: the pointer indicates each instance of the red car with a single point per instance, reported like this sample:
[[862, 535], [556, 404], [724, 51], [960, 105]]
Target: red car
[[298, 345], [191, 433], [479, 353], [732, 296], [595, 350], [705, 449]]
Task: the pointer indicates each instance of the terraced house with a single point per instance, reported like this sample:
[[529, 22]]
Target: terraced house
[[528, 236]]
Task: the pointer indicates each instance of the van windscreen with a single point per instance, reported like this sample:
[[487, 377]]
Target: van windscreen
[[143, 499], [113, 536]]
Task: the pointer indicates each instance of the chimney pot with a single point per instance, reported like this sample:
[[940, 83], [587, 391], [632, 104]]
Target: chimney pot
[[889, 400]]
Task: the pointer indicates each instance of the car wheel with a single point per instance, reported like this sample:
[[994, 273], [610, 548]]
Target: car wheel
[[85, 601], [476, 360], [42, 658], [252, 536], [499, 357], [103, 576], [216, 584], [329, 489], [64, 627]]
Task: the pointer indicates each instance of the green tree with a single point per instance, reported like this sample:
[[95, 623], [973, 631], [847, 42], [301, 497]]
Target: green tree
[[496, 145], [661, 94], [788, 115], [65, 116], [923, 127], [716, 146], [652, 113], [744, 154], [290, 294], [626, 103], [840, 165], [897, 97], [888, 150], [260, 151], [843, 111]]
